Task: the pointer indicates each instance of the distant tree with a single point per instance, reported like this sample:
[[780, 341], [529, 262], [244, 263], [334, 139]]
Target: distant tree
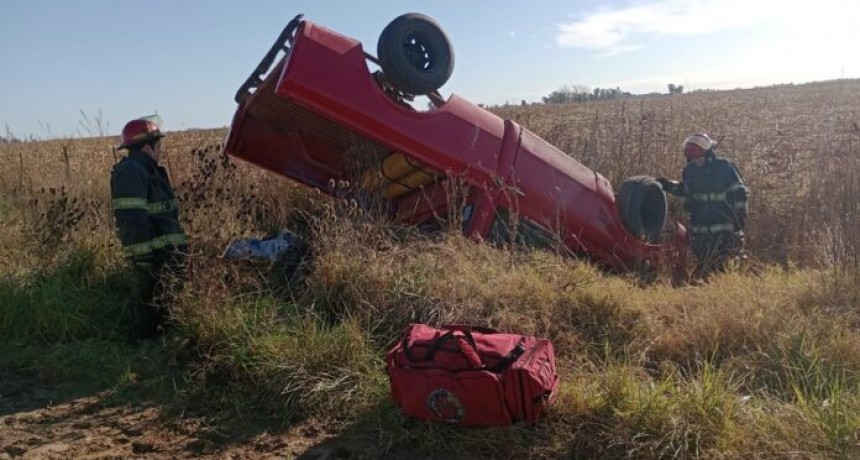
[[565, 94], [9, 137], [559, 96], [675, 89], [605, 94], [523, 102]]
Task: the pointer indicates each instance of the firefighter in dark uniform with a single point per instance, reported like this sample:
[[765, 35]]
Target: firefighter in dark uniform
[[147, 219], [716, 197]]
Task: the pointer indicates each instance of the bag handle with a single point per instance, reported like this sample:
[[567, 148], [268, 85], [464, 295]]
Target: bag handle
[[506, 360], [466, 347], [470, 328], [512, 356], [500, 366]]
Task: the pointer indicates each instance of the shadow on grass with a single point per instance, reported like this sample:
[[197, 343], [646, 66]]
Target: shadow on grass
[[382, 432], [139, 391], [36, 375], [62, 332], [76, 299], [63, 345], [65, 352]]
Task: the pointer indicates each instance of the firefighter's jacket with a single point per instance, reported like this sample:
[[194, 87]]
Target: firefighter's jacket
[[715, 196], [145, 209]]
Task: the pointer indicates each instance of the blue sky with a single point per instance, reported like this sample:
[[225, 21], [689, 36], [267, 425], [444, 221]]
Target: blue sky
[[118, 59]]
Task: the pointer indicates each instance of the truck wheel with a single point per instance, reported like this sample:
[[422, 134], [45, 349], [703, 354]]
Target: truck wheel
[[642, 205], [415, 54]]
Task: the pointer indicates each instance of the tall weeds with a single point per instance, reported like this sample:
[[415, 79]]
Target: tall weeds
[[746, 366]]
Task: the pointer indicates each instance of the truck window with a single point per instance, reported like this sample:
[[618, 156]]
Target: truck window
[[532, 235], [508, 229], [466, 216], [501, 230]]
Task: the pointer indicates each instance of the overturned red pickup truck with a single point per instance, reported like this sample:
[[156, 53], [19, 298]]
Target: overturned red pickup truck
[[321, 112]]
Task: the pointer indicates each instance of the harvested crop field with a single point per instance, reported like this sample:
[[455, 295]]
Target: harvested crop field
[[269, 361]]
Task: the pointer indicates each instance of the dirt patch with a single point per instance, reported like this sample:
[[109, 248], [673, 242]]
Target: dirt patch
[[96, 427]]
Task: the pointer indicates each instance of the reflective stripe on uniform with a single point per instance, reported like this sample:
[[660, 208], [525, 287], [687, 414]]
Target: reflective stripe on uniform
[[172, 239], [718, 197], [736, 186], [158, 207], [162, 207], [137, 249], [709, 197], [129, 203], [717, 228], [159, 242]]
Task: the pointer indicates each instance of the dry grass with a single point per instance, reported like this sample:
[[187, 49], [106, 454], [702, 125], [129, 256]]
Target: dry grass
[[797, 147], [750, 365]]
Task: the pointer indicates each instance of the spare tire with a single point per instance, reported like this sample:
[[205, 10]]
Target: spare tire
[[415, 54], [642, 206]]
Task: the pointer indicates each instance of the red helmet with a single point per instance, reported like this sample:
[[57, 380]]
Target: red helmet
[[139, 131], [696, 145]]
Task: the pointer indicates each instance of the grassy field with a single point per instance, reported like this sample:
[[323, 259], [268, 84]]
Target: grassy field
[[757, 363]]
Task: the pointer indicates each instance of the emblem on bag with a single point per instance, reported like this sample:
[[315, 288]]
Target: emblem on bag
[[443, 404]]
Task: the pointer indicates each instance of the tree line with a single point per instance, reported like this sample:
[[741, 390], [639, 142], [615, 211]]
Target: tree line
[[579, 93]]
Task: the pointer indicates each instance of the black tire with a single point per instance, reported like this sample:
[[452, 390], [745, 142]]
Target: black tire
[[642, 205], [415, 54]]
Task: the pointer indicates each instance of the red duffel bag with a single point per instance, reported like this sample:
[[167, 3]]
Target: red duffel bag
[[471, 375]]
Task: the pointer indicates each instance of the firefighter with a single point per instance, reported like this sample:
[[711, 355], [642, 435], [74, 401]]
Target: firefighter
[[147, 219], [716, 198]]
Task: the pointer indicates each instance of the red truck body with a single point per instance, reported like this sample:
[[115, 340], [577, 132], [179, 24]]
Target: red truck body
[[321, 99]]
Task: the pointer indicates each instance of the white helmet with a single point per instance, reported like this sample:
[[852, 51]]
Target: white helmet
[[695, 145]]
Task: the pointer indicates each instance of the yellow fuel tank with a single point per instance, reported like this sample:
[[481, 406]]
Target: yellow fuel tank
[[397, 176]]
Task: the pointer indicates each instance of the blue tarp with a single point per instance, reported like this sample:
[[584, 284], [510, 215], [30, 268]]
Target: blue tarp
[[271, 248]]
